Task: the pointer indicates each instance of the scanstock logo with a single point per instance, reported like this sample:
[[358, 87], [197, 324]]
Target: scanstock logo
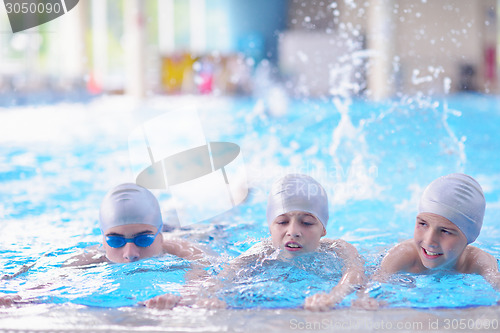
[[25, 14]]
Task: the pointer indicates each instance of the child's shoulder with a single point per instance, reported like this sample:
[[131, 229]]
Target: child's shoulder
[[264, 247], [404, 253], [339, 246], [405, 247], [402, 257], [476, 261], [336, 243], [255, 253]]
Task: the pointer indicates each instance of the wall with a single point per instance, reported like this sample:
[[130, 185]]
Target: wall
[[432, 39], [425, 43], [436, 40]]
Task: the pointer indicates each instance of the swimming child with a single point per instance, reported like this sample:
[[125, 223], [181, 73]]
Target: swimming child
[[450, 216], [131, 225], [297, 216]]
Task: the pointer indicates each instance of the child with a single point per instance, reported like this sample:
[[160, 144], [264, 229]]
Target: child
[[297, 215], [131, 225], [450, 216]]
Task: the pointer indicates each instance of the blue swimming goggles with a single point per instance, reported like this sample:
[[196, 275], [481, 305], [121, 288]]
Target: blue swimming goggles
[[143, 240]]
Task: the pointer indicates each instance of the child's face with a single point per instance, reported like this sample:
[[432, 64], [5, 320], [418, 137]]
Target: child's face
[[439, 242], [296, 233], [130, 251]]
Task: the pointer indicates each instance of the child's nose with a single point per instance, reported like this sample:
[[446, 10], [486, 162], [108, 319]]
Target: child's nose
[[131, 252], [430, 237], [293, 229]]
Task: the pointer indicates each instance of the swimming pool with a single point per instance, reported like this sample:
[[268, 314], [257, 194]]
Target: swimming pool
[[58, 160]]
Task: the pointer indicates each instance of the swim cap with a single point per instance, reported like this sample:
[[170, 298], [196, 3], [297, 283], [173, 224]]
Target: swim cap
[[129, 204], [460, 199], [297, 192]]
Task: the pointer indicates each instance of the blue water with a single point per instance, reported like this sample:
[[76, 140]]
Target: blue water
[[57, 161], [434, 291], [281, 284]]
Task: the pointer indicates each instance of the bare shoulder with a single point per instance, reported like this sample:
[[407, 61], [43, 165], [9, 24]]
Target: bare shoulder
[[336, 244], [403, 257], [256, 252], [477, 261], [87, 256], [405, 247], [341, 247]]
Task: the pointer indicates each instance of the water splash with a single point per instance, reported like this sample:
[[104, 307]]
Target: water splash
[[459, 144], [354, 172]]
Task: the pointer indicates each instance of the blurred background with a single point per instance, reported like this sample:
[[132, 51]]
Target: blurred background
[[298, 48]]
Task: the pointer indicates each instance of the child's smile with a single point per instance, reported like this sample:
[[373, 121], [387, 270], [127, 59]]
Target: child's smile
[[440, 242], [431, 255]]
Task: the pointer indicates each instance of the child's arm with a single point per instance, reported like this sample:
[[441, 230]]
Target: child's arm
[[186, 250], [182, 248], [9, 300], [91, 255], [401, 257], [88, 256], [195, 292], [352, 279], [198, 284], [200, 288]]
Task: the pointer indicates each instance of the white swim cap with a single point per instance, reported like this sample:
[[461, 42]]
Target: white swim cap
[[297, 192], [460, 199], [129, 204]]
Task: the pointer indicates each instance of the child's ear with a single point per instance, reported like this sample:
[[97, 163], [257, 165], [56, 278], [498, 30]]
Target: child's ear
[[324, 232]]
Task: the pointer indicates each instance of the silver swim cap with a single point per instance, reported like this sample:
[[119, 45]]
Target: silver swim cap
[[297, 192], [129, 204], [460, 199]]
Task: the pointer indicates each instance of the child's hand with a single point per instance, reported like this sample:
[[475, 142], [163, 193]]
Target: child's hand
[[211, 303], [321, 302], [367, 303], [163, 302], [9, 300]]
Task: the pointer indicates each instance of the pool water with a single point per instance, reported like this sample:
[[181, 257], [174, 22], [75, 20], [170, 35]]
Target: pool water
[[57, 162], [281, 283]]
